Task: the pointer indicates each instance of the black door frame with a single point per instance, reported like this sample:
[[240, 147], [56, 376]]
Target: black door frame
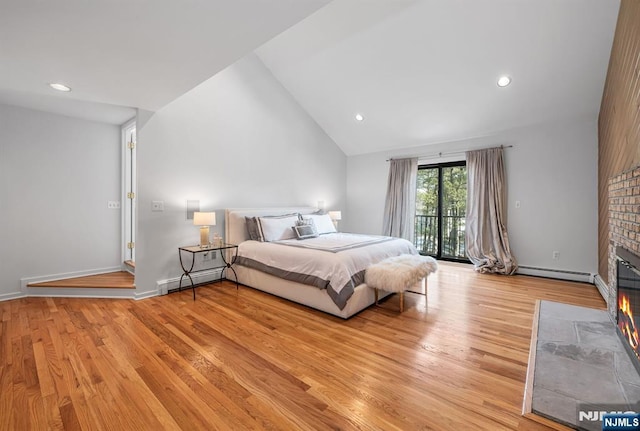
[[440, 166]]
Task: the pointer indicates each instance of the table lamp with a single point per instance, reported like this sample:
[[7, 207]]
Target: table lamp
[[335, 216], [204, 220]]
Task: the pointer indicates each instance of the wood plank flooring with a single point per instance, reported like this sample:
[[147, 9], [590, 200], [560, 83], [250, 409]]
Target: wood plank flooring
[[110, 280], [235, 360]]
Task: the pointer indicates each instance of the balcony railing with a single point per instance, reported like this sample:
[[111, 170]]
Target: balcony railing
[[453, 236]]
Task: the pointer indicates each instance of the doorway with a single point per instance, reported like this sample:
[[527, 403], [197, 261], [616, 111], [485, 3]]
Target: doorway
[[129, 140], [441, 200]]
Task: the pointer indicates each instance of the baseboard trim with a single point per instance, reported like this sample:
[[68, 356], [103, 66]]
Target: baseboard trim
[[55, 277], [147, 294], [11, 295], [602, 287], [559, 274], [74, 293], [164, 286]]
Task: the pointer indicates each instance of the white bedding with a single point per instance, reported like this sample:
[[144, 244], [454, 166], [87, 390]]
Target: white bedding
[[335, 262]]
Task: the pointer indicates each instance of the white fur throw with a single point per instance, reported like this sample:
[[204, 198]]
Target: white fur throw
[[399, 273]]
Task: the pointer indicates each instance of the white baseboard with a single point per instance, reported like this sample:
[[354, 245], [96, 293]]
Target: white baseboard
[[559, 274], [54, 277], [602, 287], [61, 292], [164, 286], [146, 294], [12, 295]]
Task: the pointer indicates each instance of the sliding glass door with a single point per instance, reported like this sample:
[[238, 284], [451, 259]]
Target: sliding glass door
[[441, 209]]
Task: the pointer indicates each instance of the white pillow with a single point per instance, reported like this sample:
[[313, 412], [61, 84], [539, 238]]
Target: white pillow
[[277, 228], [323, 223]]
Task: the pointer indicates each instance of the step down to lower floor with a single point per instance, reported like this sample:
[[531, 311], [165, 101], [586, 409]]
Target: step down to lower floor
[[130, 266], [110, 280]]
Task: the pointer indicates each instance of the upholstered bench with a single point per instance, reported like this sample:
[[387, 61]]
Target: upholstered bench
[[399, 273]]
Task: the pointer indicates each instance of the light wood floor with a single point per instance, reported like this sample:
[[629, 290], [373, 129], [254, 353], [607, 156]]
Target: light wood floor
[[110, 280], [236, 360]]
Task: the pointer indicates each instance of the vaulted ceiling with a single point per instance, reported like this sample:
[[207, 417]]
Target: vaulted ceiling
[[425, 71], [418, 71], [123, 54]]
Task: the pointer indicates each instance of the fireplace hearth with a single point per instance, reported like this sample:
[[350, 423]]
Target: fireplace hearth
[[628, 303]]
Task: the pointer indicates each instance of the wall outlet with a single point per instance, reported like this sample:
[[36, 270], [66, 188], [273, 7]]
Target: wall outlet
[[211, 255], [157, 206], [113, 205], [556, 255]]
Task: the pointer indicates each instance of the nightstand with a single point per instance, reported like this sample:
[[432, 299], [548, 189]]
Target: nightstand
[[193, 250]]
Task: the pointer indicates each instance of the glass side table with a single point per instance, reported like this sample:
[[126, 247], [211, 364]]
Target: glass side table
[[193, 250]]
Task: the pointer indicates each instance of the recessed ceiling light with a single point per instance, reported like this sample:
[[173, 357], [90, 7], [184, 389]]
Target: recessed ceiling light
[[359, 117], [503, 81], [59, 87]]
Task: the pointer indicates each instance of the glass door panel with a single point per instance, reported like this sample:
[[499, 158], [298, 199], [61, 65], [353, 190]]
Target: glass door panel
[[426, 231], [453, 210]]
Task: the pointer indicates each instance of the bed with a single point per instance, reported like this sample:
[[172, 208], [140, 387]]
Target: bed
[[290, 268]]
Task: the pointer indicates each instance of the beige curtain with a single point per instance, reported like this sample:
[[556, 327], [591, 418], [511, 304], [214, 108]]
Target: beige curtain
[[487, 241], [400, 206]]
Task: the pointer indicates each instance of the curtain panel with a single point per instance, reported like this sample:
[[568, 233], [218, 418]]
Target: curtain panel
[[400, 206], [487, 241]]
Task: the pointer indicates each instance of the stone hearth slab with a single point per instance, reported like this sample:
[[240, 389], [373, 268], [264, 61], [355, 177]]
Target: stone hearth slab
[[579, 360]]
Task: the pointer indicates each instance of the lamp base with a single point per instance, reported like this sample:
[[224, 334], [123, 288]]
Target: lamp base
[[204, 236]]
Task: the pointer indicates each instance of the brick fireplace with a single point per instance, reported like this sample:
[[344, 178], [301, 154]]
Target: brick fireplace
[[624, 226], [623, 291]]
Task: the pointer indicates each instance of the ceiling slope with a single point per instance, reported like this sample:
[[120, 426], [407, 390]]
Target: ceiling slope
[[425, 71], [118, 55]]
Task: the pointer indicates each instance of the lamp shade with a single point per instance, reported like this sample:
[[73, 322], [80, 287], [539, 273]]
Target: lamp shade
[[204, 219], [335, 215]]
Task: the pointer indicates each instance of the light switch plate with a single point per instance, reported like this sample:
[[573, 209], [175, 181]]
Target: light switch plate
[[157, 206], [113, 205]]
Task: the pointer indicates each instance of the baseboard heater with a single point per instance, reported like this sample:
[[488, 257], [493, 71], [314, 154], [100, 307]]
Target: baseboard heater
[[171, 284], [560, 274]]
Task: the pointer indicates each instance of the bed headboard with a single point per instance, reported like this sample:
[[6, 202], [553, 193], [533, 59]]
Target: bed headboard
[[235, 229]]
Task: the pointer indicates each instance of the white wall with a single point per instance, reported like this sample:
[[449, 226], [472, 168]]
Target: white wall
[[56, 175], [551, 170], [237, 140]]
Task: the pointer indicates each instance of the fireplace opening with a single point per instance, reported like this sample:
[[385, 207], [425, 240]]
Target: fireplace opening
[[628, 304]]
